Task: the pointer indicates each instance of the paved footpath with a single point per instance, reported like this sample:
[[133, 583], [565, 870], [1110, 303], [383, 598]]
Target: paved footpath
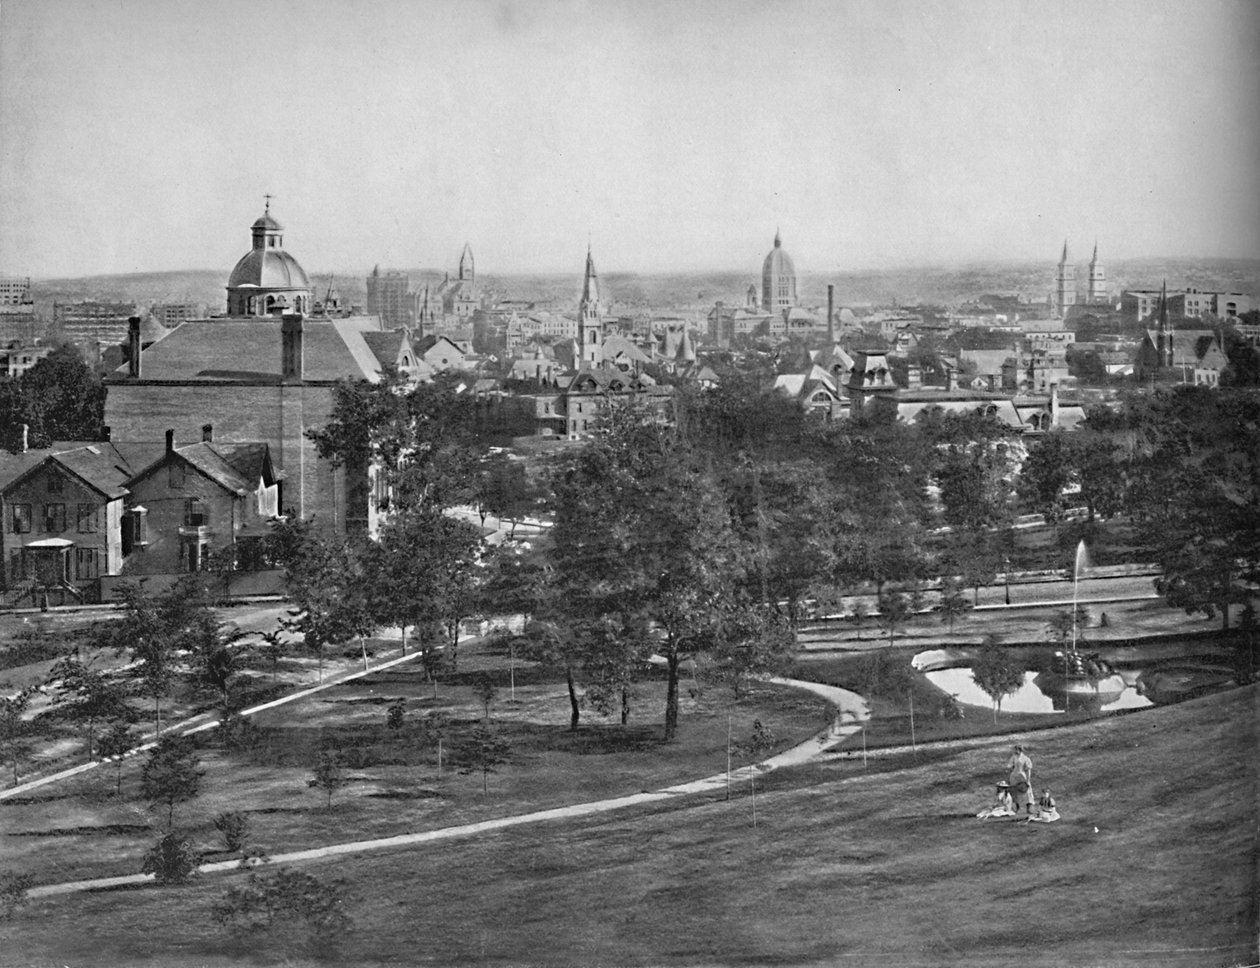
[[851, 713]]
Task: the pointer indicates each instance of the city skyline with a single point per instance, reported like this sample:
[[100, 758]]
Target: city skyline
[[141, 136]]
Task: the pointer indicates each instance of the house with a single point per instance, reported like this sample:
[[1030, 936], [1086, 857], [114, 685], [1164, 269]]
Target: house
[[1191, 356], [197, 499], [816, 390], [444, 353], [62, 513]]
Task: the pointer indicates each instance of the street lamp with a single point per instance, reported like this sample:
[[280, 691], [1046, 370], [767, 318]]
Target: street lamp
[[1006, 573]]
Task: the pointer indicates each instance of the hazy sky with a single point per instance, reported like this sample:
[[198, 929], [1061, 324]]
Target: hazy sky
[[140, 135]]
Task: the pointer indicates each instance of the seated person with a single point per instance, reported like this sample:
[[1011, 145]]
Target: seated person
[[1004, 806], [1047, 812]]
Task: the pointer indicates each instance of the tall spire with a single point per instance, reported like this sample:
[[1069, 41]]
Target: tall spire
[[590, 283], [1063, 259], [778, 242], [1094, 258]]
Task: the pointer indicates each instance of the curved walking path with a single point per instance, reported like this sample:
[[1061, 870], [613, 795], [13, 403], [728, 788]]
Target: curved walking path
[[851, 713]]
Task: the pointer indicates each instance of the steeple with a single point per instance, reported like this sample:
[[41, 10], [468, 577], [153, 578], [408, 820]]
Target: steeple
[[1163, 336], [1064, 285], [1093, 259], [777, 241], [1097, 292], [1064, 258], [590, 325], [467, 269]]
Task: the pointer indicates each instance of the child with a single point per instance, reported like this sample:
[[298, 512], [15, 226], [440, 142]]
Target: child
[[1047, 812]]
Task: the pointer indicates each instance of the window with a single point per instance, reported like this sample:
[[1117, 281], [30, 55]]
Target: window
[[54, 518], [135, 529], [21, 520], [176, 474], [195, 514], [85, 564], [86, 518], [56, 483]]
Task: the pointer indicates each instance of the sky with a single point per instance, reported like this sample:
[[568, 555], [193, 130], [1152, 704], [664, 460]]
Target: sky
[[142, 135]]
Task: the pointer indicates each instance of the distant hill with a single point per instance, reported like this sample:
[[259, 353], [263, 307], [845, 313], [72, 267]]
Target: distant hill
[[697, 291]]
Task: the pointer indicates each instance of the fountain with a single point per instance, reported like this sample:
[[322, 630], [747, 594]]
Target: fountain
[[1082, 560]]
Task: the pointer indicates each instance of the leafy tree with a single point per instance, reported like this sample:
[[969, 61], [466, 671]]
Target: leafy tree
[[754, 642], [116, 742], [87, 694], [396, 714], [1046, 475], [485, 691], [59, 398], [14, 728], [234, 827], [895, 609], [1067, 627], [172, 775], [172, 860], [503, 490], [146, 631], [996, 673], [483, 752], [953, 602], [328, 775]]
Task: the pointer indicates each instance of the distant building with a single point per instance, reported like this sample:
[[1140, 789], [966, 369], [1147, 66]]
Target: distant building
[[268, 281], [171, 315], [389, 296], [17, 357], [92, 321], [17, 310], [1191, 356], [778, 279], [1141, 304], [1096, 294], [1064, 296]]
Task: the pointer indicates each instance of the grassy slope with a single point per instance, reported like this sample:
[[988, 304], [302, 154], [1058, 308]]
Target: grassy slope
[[886, 867]]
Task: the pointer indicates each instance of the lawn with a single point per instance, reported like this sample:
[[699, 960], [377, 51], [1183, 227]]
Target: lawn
[[79, 828], [1154, 863]]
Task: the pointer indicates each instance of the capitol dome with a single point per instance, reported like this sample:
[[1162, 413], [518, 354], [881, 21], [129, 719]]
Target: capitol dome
[[778, 279], [268, 281]]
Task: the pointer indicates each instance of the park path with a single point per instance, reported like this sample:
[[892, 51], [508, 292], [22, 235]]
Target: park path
[[204, 721], [851, 713]]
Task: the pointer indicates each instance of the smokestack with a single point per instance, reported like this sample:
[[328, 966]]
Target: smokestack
[[26, 438], [207, 433], [831, 318], [1054, 405], [949, 377], [133, 347], [291, 362], [170, 441]]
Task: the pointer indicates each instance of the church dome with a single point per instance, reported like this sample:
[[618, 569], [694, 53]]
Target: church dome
[[267, 280], [268, 269], [778, 279]]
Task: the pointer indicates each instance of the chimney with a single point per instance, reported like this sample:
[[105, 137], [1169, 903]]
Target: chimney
[[133, 347], [207, 433], [1054, 405], [26, 438], [831, 318], [949, 377], [170, 441], [291, 363]]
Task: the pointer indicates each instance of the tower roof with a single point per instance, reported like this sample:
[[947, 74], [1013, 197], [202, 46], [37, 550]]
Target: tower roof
[[266, 265], [778, 262], [1063, 259], [590, 282]]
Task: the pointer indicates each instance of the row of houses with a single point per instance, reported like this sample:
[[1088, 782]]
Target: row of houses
[[77, 514]]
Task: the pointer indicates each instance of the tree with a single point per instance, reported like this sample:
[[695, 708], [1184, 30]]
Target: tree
[[1046, 475], [894, 611], [171, 775], [86, 694], [482, 753], [754, 642], [13, 888], [172, 860], [146, 632], [996, 673], [396, 714], [14, 729], [59, 398], [116, 743], [953, 602], [328, 775], [234, 826], [1066, 627], [485, 691]]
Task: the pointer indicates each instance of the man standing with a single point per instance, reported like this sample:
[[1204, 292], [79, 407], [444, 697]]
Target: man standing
[[1019, 768]]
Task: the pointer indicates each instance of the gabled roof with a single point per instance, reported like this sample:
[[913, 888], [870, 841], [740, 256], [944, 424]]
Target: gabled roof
[[234, 467], [249, 350], [97, 465], [387, 346], [1185, 347]]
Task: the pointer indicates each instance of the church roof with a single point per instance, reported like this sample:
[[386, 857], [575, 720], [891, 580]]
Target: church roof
[[268, 269], [249, 350], [778, 262]]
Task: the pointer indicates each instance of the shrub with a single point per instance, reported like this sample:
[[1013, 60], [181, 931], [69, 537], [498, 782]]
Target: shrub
[[172, 860], [234, 826], [13, 888], [290, 896]]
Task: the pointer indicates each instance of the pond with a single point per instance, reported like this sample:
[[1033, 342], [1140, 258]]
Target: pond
[[1110, 681]]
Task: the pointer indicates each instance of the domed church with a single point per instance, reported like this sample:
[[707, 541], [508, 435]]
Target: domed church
[[778, 279], [268, 281]]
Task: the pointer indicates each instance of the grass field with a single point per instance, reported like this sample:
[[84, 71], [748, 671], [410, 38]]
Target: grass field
[[1154, 863]]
